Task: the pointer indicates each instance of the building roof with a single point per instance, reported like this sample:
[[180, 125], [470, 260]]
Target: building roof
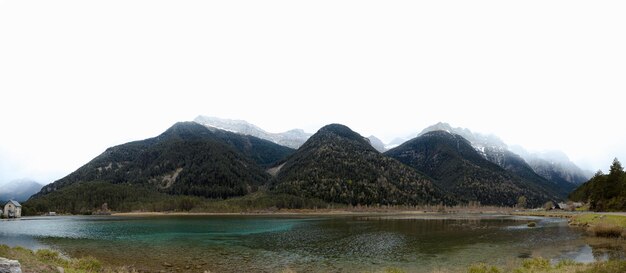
[[15, 203]]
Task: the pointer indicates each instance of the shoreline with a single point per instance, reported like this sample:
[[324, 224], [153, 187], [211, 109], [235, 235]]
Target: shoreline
[[328, 212]]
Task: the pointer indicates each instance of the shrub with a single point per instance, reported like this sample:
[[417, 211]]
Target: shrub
[[606, 230]]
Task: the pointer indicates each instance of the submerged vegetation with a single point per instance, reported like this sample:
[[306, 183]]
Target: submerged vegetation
[[541, 265], [49, 261]]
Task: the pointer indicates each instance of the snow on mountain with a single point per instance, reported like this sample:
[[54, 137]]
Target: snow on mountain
[[553, 166], [377, 144], [292, 138], [19, 190]]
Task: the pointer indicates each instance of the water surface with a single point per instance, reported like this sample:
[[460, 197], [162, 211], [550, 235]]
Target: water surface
[[414, 243]]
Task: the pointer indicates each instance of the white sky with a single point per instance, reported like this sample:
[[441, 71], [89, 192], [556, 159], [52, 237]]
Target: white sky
[[79, 76]]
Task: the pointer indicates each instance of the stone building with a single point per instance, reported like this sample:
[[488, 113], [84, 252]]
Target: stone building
[[12, 209]]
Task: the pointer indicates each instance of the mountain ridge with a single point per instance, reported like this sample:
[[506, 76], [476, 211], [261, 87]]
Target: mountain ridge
[[293, 138], [337, 164], [457, 167]]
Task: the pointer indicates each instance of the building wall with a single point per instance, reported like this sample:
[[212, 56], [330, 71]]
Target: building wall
[[8, 207]]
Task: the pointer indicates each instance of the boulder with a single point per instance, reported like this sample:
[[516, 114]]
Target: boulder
[[9, 266]]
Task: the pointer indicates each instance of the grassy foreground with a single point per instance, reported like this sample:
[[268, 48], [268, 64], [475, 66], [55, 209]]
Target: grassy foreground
[[602, 225], [48, 261]]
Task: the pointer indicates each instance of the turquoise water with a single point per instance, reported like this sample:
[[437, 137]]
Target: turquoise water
[[414, 243]]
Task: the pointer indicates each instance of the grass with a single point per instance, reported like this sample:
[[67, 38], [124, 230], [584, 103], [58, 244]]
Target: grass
[[48, 261], [483, 268], [602, 225], [606, 230], [540, 265], [591, 219]]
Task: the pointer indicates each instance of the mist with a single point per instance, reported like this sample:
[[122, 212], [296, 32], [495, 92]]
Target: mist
[[543, 75]]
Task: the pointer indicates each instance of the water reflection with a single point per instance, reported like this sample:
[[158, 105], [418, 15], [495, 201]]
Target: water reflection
[[414, 243]]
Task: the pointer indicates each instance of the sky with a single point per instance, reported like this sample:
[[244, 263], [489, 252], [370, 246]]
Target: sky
[[77, 77]]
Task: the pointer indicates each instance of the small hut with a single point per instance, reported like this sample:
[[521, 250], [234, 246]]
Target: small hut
[[12, 209]]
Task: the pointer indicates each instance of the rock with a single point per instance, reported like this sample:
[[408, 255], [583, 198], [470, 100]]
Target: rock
[[198, 266], [10, 266], [60, 269], [166, 264]]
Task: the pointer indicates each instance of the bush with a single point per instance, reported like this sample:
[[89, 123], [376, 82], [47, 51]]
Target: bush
[[606, 230]]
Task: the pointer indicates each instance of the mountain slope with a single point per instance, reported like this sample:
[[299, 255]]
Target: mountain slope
[[19, 190], [265, 153], [187, 159], [338, 165], [292, 138], [554, 165], [457, 167], [377, 143], [495, 150], [604, 192]]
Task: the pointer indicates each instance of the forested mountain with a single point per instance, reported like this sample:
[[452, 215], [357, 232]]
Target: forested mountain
[[187, 159], [457, 167], [335, 165], [495, 150], [604, 192], [338, 165]]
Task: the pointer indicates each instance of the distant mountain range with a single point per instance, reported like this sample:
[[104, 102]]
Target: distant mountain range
[[220, 158], [558, 170], [457, 167], [292, 138], [19, 190]]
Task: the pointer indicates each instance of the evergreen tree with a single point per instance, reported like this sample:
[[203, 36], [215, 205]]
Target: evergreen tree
[[616, 168]]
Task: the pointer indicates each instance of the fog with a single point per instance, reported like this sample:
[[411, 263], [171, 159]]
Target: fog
[[77, 77]]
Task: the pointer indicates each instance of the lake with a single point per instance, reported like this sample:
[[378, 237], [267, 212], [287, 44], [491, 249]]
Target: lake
[[413, 243]]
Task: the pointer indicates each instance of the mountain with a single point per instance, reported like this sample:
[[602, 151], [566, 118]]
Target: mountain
[[338, 165], [292, 138], [554, 165], [397, 142], [19, 190], [604, 192], [377, 143], [495, 150], [186, 159], [459, 168]]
